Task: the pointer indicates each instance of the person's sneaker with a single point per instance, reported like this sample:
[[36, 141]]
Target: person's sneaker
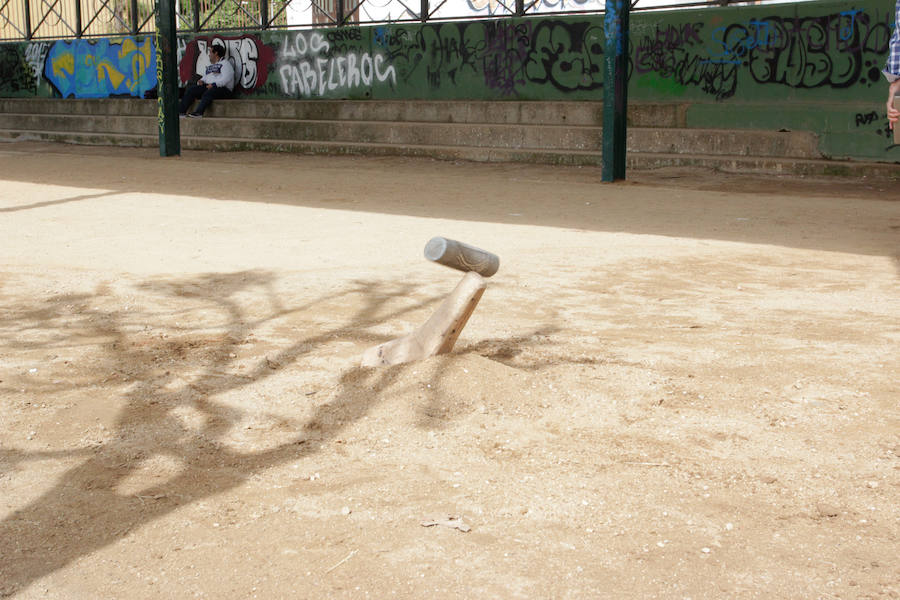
[[195, 115]]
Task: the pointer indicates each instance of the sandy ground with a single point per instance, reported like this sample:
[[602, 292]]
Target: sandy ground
[[686, 385]]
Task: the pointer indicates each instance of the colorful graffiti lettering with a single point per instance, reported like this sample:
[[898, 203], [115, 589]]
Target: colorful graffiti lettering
[[249, 56], [819, 51], [102, 68]]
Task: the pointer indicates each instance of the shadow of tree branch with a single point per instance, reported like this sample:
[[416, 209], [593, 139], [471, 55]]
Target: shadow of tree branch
[[83, 511]]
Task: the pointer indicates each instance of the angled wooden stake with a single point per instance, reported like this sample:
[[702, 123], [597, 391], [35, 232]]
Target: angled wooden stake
[[438, 334]]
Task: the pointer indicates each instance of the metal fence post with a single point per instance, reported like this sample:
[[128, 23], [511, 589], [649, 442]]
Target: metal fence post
[[423, 14], [615, 88], [167, 79], [195, 6], [135, 18], [520, 8], [264, 14], [339, 10], [27, 19], [78, 18]]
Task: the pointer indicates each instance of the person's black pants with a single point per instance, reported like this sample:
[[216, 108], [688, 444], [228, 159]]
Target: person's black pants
[[206, 95]]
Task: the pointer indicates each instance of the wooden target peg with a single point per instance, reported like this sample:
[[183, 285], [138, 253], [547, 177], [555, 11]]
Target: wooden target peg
[[438, 334], [461, 257]]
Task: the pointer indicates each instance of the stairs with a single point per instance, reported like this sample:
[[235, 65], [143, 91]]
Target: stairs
[[553, 132]]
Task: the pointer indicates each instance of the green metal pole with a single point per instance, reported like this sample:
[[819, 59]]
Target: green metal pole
[[615, 88], [135, 18], [263, 14], [28, 31], [167, 79]]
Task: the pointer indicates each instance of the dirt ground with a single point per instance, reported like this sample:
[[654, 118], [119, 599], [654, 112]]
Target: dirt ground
[[686, 385]]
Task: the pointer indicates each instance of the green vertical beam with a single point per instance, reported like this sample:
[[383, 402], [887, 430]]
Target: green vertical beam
[[167, 79], [615, 88]]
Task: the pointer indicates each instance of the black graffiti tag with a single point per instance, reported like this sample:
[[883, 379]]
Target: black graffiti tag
[[568, 56]]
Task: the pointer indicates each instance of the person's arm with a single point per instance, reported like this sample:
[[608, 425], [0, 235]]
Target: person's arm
[[893, 113], [225, 76]]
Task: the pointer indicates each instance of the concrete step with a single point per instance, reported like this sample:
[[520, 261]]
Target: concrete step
[[90, 106], [75, 137], [725, 142], [85, 123], [795, 144], [635, 160], [505, 112]]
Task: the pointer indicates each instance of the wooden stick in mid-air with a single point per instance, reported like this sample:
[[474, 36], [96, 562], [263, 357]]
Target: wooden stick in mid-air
[[439, 333]]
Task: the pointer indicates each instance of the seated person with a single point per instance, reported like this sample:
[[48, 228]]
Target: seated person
[[218, 82]]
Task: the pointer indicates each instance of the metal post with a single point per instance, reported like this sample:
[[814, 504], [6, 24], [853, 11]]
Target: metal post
[[423, 11], [78, 23], [339, 10], [615, 88], [27, 19], [264, 14], [167, 79], [195, 6], [520, 8], [135, 18]]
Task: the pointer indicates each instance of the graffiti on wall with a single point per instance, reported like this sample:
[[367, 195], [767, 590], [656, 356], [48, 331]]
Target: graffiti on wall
[[499, 7], [101, 68], [310, 65], [35, 55], [568, 56], [874, 123], [504, 56], [507, 47], [678, 52], [837, 50], [16, 75], [249, 56], [688, 53]]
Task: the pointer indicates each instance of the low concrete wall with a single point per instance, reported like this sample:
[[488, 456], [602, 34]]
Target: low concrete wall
[[809, 66]]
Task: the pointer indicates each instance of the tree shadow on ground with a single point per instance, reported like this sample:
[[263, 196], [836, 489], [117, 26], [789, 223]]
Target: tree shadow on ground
[[83, 510]]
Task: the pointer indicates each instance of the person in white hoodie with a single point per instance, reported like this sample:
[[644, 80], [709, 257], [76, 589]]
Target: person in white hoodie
[[217, 83]]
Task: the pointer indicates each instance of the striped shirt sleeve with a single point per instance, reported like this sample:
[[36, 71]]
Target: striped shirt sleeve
[[892, 67]]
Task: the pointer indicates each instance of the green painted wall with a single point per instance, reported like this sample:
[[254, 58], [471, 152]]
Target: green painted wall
[[809, 66]]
